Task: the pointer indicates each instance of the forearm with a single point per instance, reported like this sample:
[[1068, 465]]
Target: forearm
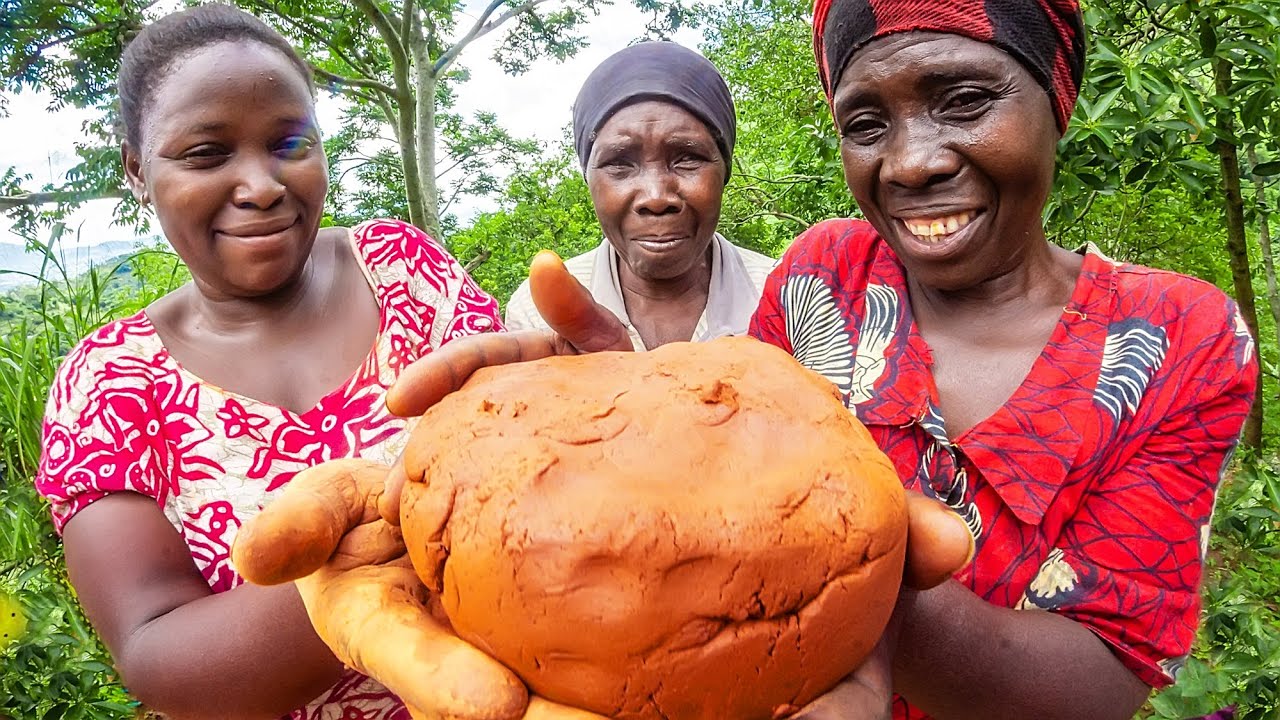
[[959, 657], [247, 653]]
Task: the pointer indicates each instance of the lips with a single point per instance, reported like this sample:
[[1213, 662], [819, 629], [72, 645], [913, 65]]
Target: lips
[[939, 235], [659, 243], [259, 229]]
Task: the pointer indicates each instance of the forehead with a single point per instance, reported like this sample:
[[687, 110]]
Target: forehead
[[225, 82], [652, 117], [908, 60]]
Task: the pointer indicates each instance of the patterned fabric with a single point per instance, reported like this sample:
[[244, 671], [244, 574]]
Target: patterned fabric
[[1090, 491], [1046, 36], [737, 279], [124, 416]]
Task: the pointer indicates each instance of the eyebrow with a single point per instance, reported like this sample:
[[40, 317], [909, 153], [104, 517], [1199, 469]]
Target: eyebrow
[[930, 78], [951, 74], [204, 127]]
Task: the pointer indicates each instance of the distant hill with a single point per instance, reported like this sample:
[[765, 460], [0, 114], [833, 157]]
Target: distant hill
[[75, 260]]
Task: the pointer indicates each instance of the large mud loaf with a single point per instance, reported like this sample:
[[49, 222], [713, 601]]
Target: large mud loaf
[[702, 531]]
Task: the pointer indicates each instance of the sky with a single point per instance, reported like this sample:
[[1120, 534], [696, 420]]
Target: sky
[[536, 104]]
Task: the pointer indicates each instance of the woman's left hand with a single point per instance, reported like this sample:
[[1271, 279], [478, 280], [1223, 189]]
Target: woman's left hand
[[938, 546], [866, 694]]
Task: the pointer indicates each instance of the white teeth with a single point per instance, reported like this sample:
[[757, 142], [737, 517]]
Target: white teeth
[[935, 229]]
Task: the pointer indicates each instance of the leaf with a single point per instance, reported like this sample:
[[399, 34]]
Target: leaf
[[1267, 169], [1194, 108]]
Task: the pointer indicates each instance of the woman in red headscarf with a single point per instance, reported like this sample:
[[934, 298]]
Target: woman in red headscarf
[[1076, 411]]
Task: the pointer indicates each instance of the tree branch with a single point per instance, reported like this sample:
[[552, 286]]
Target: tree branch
[[353, 82], [475, 262], [482, 28], [337, 50], [457, 190], [406, 18], [777, 214], [382, 23], [8, 202]]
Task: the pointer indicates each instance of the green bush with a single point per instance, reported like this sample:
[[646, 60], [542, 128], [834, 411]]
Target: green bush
[[55, 667]]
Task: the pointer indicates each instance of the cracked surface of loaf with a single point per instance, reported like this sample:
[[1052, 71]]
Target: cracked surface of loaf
[[701, 531]]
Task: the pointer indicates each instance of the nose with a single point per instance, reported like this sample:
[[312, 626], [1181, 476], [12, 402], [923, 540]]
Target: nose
[[657, 193], [258, 185], [916, 156]]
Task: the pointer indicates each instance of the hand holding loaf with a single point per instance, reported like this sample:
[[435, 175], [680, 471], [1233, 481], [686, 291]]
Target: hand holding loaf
[[699, 532]]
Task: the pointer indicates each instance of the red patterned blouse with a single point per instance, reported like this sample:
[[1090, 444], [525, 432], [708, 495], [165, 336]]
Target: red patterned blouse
[[1090, 491], [124, 416]]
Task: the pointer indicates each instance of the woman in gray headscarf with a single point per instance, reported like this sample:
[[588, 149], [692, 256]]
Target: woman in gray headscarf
[[654, 129]]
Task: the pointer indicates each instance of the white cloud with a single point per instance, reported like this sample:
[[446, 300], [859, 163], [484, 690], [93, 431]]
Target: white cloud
[[536, 104]]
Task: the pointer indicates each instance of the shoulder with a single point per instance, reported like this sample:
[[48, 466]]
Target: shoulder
[[106, 349], [758, 265], [113, 373], [521, 314], [402, 235], [582, 267], [1191, 311], [843, 236]]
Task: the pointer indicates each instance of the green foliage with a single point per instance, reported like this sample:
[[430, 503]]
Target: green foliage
[[546, 208], [57, 668], [1237, 661], [787, 173]]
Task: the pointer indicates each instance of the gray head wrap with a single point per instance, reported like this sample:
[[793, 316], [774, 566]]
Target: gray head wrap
[[655, 71]]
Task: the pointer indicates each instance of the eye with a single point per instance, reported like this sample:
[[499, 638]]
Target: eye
[[618, 164], [690, 161], [966, 102], [295, 147], [863, 129], [204, 155]]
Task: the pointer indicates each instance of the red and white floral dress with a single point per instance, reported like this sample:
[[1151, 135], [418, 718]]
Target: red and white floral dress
[[124, 416]]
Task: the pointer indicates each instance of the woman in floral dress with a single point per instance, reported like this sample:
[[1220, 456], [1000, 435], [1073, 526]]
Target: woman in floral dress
[[166, 430]]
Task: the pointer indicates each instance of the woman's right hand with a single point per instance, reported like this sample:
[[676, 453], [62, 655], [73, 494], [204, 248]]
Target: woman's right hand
[[579, 325]]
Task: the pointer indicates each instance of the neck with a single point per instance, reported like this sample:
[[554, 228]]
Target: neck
[[1046, 277], [695, 282], [223, 314]]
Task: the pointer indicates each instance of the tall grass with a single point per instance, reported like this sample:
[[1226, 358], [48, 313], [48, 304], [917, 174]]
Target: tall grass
[[55, 667]]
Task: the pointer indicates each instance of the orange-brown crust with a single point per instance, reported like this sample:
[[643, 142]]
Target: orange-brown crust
[[703, 531]]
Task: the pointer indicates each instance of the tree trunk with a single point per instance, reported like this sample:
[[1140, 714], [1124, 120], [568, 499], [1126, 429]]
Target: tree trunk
[[426, 142], [1237, 245], [406, 131], [424, 81], [1264, 240]]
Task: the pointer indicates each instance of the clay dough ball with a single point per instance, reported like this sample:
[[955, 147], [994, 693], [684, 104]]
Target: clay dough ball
[[701, 531]]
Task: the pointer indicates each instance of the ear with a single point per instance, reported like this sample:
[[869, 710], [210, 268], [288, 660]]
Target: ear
[[132, 161]]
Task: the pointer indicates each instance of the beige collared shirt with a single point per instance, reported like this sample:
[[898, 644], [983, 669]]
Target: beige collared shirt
[[737, 281]]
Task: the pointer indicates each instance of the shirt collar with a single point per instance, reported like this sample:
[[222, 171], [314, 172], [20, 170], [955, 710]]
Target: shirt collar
[[731, 298], [1026, 449]]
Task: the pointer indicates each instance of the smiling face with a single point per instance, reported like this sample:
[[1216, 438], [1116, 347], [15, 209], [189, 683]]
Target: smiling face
[[656, 176], [230, 158], [948, 146]]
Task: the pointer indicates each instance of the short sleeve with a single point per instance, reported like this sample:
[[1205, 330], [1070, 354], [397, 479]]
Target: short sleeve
[[1129, 564], [474, 310], [422, 287], [768, 323], [99, 430]]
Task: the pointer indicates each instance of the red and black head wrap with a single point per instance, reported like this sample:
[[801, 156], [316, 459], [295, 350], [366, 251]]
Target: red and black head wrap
[[1046, 36]]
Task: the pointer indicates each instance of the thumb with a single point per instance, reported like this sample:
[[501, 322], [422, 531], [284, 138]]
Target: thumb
[[570, 310], [298, 531], [939, 543]]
